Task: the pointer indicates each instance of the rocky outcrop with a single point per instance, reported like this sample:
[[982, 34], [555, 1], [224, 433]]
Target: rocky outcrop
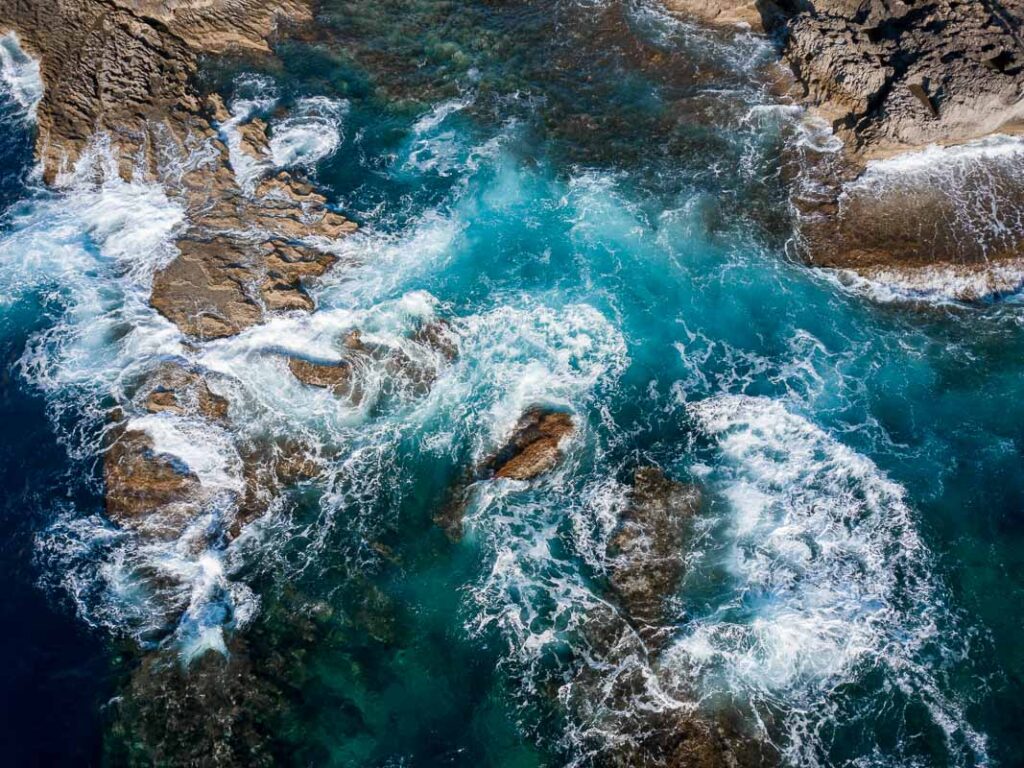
[[891, 76], [635, 715], [648, 548], [174, 388], [751, 13], [533, 448], [337, 377], [146, 490], [119, 79]]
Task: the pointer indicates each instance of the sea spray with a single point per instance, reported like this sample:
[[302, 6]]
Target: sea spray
[[20, 75]]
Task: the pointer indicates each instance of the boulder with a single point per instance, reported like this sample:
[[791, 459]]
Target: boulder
[[534, 447]]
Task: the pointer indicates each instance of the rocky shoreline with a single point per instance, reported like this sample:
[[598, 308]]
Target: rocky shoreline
[[119, 76], [888, 76], [892, 77]]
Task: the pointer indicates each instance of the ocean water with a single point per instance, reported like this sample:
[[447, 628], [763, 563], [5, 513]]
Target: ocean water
[[594, 196]]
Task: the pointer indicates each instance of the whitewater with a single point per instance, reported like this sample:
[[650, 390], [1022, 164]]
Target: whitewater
[[849, 578]]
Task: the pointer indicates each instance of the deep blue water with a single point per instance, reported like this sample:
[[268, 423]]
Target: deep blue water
[[596, 198]]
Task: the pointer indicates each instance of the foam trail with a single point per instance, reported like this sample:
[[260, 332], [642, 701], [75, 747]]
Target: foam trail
[[254, 94], [311, 133], [829, 579], [20, 73]]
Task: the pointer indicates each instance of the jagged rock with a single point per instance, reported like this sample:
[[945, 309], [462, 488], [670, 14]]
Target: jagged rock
[[895, 75], [175, 389], [286, 266], [534, 446], [146, 490], [890, 76], [647, 550]]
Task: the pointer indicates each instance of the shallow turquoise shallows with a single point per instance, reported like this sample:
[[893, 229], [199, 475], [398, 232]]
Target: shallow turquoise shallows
[[594, 195]]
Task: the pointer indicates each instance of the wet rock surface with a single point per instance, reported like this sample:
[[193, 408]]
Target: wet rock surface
[[147, 490], [534, 446], [120, 75], [337, 377], [635, 715], [890, 76], [174, 388]]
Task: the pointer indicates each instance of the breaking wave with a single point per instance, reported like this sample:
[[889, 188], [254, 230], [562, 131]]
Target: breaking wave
[[20, 74], [829, 586]]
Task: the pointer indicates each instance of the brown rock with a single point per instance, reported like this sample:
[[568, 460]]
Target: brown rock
[[147, 490], [534, 446], [726, 12], [337, 377], [648, 548], [205, 291], [894, 75], [175, 389], [438, 335]]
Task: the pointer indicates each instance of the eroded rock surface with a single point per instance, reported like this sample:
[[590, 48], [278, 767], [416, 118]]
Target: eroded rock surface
[[119, 85], [174, 388], [147, 490], [891, 76], [534, 446], [647, 550]]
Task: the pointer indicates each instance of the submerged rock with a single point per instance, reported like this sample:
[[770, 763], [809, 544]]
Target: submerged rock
[[175, 389], [217, 711], [648, 548], [534, 446]]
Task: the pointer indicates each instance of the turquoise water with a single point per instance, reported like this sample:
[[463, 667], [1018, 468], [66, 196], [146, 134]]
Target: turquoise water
[[595, 197]]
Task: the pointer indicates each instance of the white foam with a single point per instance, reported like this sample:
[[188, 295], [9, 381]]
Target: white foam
[[20, 74], [937, 283], [254, 94], [207, 451], [937, 158], [828, 577], [311, 133]]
